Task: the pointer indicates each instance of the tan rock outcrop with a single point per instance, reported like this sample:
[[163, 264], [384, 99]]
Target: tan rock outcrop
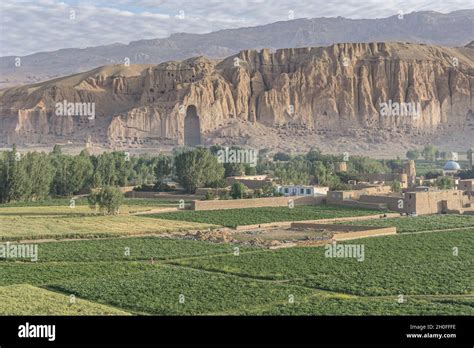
[[337, 87]]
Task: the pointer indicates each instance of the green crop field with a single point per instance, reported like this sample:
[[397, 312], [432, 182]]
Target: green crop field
[[400, 264], [159, 291], [130, 249], [419, 223], [364, 306], [47, 273], [252, 216], [117, 276]]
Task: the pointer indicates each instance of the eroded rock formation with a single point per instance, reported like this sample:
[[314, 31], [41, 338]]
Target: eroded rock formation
[[337, 87]]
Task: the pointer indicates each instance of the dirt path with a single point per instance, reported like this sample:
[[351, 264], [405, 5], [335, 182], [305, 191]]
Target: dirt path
[[157, 211], [318, 221]]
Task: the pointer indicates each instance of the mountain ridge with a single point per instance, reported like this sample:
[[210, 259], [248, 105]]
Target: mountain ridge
[[422, 27]]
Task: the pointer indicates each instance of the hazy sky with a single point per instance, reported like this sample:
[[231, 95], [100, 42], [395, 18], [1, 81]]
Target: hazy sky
[[44, 25]]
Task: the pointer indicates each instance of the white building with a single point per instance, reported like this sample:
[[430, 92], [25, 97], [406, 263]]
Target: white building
[[301, 190]]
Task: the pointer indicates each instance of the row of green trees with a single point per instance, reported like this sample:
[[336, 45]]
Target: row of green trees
[[28, 178], [34, 175], [430, 153], [200, 167]]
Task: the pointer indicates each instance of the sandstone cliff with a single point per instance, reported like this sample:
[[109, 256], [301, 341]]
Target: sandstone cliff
[[339, 87]]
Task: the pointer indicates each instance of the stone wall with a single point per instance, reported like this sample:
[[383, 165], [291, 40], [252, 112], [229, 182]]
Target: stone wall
[[331, 227], [346, 232], [160, 195], [364, 205], [393, 203], [377, 232], [216, 191], [125, 189]]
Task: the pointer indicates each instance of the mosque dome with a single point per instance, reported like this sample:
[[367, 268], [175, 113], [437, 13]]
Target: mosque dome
[[451, 165]]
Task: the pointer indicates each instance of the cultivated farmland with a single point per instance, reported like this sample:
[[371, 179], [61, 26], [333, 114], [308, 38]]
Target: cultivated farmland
[[47, 273], [139, 249], [420, 223], [252, 216], [159, 291], [29, 300], [365, 306], [400, 264], [167, 276]]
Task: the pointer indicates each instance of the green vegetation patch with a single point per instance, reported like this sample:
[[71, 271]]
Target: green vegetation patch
[[252, 216], [419, 223], [46, 273], [363, 306], [178, 291], [400, 264], [124, 249]]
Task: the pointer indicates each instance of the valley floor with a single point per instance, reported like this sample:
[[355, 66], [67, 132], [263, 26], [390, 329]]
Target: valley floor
[[409, 273]]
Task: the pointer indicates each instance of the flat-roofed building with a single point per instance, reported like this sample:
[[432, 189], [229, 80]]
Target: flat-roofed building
[[434, 202], [301, 190]]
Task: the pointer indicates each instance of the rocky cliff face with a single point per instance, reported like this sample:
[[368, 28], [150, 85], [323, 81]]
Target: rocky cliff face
[[343, 86]]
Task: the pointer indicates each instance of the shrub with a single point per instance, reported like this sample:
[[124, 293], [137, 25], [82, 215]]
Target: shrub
[[238, 190], [413, 154], [445, 183], [396, 186], [209, 196], [224, 195], [107, 199]]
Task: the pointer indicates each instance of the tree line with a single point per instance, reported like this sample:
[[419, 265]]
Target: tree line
[[35, 176], [430, 154]]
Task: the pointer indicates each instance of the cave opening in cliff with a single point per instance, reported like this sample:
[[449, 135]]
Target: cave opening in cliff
[[192, 127]]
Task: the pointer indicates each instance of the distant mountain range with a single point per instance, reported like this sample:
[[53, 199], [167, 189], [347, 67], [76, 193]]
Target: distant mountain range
[[452, 29]]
